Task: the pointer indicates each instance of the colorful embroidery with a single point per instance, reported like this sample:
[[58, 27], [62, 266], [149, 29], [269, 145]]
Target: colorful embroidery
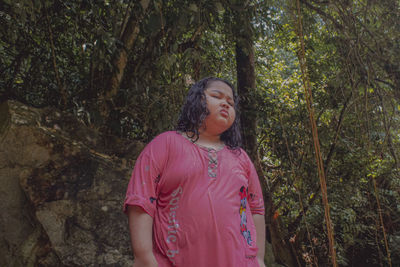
[[212, 163], [243, 217]]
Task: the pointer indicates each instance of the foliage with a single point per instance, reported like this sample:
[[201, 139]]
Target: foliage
[[354, 110], [60, 54]]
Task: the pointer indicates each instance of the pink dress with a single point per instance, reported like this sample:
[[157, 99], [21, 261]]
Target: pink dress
[[201, 202]]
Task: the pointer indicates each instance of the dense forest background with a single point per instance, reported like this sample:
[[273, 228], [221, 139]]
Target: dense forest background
[[122, 68]]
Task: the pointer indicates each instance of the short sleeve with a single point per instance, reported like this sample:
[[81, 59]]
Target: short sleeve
[[256, 201], [143, 188]]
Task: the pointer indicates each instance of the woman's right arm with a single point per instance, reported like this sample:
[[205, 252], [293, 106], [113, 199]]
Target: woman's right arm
[[141, 232]]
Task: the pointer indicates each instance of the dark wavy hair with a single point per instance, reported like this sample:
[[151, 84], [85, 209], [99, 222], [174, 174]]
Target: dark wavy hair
[[194, 111]]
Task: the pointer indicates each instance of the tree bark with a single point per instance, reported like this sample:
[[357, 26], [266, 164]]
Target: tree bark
[[120, 58], [246, 84]]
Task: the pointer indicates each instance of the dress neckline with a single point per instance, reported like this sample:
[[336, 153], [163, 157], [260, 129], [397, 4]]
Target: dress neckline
[[209, 149]]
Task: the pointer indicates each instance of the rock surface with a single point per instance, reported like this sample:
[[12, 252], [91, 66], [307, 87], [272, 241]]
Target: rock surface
[[61, 191]]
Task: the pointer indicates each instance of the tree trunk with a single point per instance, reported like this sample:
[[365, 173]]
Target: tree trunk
[[246, 84], [120, 59]]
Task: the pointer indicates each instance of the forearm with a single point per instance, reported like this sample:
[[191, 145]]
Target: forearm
[[259, 222], [141, 232]]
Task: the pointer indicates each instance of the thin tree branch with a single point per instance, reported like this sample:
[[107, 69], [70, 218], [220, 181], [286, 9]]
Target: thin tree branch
[[338, 126], [322, 13], [53, 54]]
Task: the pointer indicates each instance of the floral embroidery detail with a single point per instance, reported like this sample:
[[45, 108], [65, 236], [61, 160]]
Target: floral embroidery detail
[[212, 163], [243, 217]]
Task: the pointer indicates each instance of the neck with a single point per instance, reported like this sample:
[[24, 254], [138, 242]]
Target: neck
[[209, 137], [209, 140]]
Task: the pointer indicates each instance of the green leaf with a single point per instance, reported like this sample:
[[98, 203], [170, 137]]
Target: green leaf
[[193, 7], [220, 8]]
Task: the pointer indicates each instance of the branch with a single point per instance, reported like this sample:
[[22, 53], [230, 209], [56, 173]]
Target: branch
[[323, 13], [120, 58], [53, 54], [385, 82], [125, 21], [299, 217], [387, 129], [338, 126]]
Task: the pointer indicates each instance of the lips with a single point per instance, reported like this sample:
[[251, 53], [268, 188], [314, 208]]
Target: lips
[[224, 113]]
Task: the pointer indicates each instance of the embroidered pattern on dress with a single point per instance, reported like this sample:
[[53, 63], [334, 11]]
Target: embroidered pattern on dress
[[243, 217], [212, 163]]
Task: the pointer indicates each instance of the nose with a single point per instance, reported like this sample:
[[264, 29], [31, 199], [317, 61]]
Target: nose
[[225, 104]]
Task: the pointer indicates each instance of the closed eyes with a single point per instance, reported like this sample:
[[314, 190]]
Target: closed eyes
[[220, 96]]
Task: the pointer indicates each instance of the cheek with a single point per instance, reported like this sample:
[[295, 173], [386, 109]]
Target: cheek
[[233, 115], [211, 104]]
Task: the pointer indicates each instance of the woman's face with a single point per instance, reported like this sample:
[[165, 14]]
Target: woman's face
[[220, 104]]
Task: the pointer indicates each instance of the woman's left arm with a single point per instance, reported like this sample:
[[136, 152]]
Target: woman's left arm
[[259, 222]]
